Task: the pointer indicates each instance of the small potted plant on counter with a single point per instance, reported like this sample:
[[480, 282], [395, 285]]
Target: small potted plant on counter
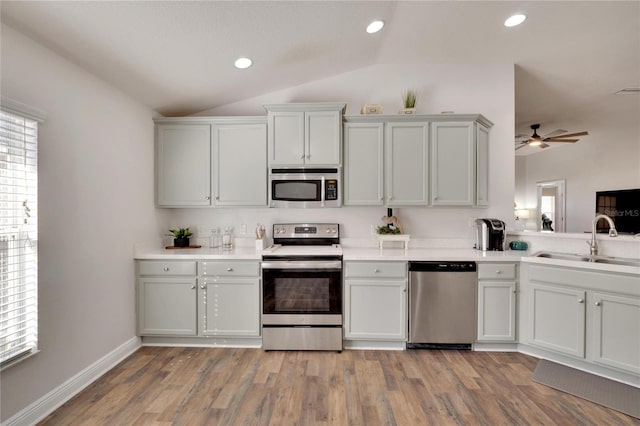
[[181, 237]]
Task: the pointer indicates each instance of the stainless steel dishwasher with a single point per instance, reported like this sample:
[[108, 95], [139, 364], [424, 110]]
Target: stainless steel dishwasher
[[442, 305]]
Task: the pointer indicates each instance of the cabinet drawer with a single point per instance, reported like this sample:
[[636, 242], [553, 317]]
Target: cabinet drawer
[[375, 269], [496, 271], [230, 268], [158, 267]]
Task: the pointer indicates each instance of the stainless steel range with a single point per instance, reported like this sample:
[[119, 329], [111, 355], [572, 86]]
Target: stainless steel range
[[302, 288]]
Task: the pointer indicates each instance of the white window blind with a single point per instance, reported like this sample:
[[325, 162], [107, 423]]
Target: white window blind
[[18, 236]]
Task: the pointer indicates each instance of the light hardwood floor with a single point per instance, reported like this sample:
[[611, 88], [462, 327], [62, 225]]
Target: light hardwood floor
[[218, 386]]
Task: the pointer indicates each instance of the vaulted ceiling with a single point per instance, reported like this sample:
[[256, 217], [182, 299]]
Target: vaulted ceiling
[[177, 57]]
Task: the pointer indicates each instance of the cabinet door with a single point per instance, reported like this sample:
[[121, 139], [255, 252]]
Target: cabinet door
[[363, 159], [229, 307], [406, 166], [482, 165], [375, 309], [322, 137], [286, 138], [182, 165], [615, 334], [497, 311], [167, 306], [239, 156], [557, 318], [453, 164]]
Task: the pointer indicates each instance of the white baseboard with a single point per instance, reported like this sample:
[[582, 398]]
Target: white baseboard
[[44, 406]]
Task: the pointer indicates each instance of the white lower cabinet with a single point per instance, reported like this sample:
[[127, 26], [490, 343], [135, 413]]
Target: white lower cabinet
[[615, 332], [497, 294], [557, 318], [167, 298], [375, 301], [222, 299], [593, 316], [229, 307]]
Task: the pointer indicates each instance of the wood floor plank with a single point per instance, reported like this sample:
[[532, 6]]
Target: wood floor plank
[[230, 386]]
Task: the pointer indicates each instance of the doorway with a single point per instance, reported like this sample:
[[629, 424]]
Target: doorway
[[551, 205]]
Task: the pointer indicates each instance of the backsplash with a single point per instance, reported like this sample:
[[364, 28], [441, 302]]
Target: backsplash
[[621, 246]]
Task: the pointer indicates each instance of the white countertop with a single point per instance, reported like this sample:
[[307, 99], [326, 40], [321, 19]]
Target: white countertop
[[426, 254], [161, 253]]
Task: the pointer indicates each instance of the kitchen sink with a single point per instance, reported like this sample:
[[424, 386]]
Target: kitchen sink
[[585, 258]]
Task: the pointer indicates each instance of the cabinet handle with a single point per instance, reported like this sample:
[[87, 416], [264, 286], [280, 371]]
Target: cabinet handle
[[514, 291], [202, 287], [207, 197], [193, 287], [166, 269], [229, 269], [217, 198], [598, 303], [308, 157], [375, 271], [302, 157], [404, 290], [498, 271], [580, 300]]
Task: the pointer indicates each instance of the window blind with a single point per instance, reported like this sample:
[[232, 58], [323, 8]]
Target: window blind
[[18, 236]]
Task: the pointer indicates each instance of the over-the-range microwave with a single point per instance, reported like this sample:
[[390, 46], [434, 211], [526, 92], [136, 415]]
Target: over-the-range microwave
[[305, 187]]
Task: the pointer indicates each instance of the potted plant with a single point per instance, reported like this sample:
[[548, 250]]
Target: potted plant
[[181, 237], [409, 98]]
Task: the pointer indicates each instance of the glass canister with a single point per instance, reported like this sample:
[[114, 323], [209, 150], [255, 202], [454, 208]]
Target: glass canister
[[215, 240], [227, 238]]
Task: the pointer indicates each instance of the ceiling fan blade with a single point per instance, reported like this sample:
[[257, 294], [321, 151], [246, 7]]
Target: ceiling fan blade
[[521, 146], [554, 133], [569, 135], [520, 136], [544, 145], [559, 139]]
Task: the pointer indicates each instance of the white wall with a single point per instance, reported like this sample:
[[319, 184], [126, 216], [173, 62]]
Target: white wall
[[607, 159], [485, 89], [95, 201]]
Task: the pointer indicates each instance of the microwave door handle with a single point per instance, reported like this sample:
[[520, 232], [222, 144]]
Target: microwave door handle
[[322, 192]]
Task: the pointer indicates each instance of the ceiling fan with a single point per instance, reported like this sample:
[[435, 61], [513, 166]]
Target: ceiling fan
[[555, 136]]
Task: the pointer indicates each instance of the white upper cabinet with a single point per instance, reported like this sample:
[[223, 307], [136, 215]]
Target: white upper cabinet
[[239, 173], [407, 164], [482, 165], [211, 161], [183, 173], [453, 164], [363, 164], [421, 160], [304, 134]]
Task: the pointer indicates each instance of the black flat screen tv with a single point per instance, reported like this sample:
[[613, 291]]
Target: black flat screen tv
[[623, 206]]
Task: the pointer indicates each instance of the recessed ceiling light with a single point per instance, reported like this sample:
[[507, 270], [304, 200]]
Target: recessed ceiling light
[[375, 26], [514, 20], [242, 63]]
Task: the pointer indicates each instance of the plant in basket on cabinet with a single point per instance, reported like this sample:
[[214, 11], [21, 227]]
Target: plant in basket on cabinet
[[181, 236]]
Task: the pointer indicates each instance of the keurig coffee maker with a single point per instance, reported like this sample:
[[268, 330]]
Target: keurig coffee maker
[[490, 234]]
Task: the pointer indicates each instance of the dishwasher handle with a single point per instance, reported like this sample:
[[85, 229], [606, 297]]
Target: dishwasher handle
[[434, 266]]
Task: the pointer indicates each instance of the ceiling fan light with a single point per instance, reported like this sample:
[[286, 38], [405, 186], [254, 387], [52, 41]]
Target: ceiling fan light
[[515, 20], [535, 142]]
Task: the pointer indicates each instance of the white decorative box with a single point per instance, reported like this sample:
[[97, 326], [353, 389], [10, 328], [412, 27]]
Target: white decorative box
[[371, 109], [404, 238]]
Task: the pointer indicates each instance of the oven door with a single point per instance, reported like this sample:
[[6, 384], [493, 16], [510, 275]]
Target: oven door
[[307, 292]]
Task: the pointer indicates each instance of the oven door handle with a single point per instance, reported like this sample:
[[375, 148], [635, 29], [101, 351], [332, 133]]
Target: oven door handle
[[307, 264]]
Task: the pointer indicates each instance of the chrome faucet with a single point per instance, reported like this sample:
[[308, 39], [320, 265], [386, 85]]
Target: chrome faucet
[[593, 245]]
